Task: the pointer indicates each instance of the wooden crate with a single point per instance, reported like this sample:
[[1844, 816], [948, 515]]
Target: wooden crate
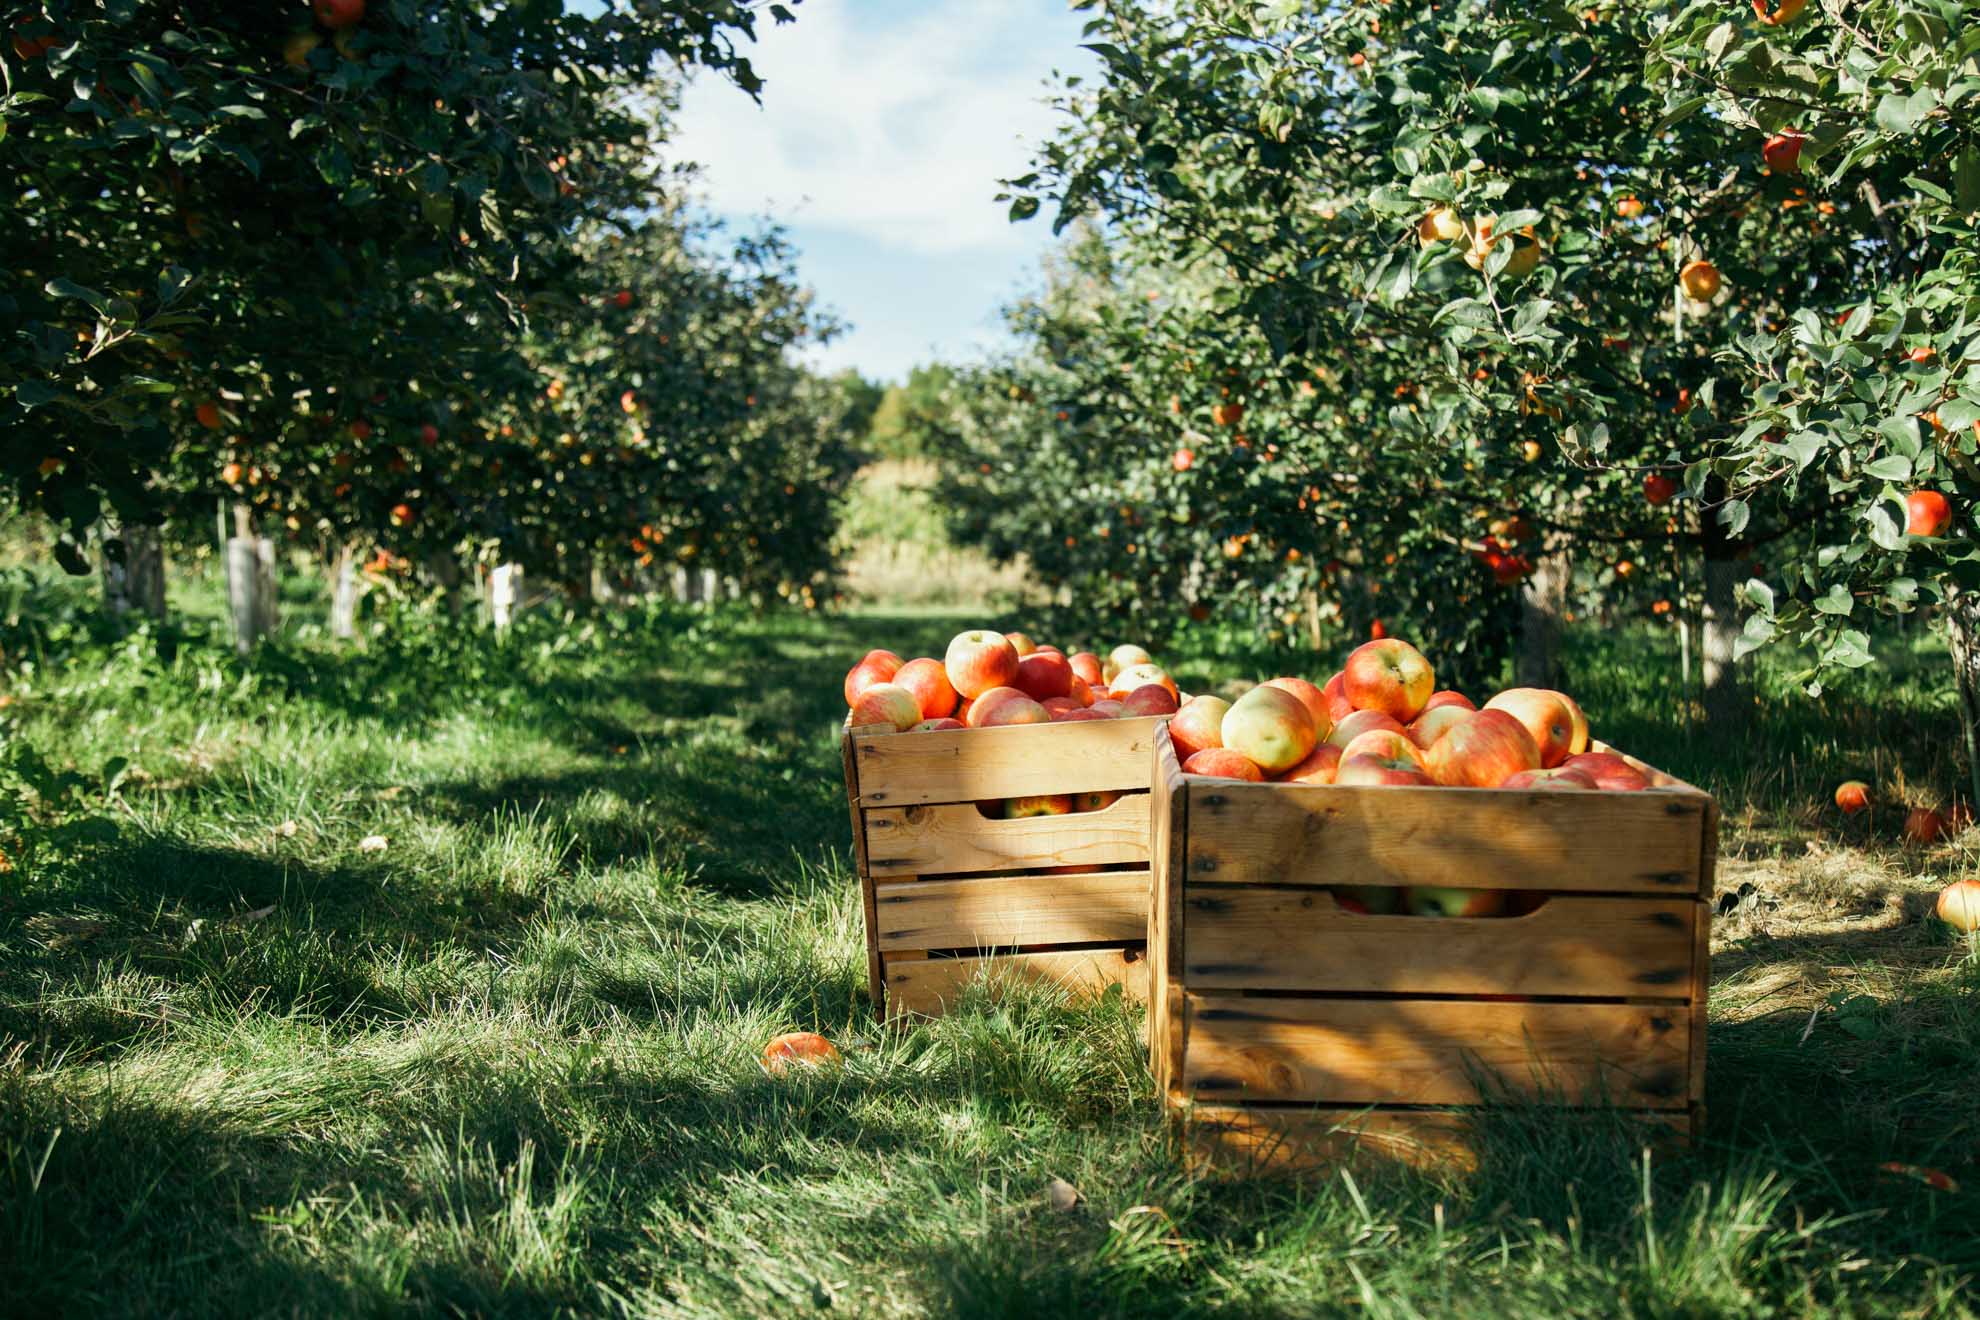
[[1287, 1030], [951, 893]]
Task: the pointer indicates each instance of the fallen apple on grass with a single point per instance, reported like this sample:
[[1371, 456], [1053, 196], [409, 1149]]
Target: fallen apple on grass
[[1959, 905], [1852, 796], [805, 1049]]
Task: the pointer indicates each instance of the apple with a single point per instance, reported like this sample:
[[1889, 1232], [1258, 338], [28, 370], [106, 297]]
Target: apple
[[1107, 708], [1388, 675], [1785, 12], [1042, 674], [1319, 768], [1484, 750], [1006, 705], [1565, 778], [980, 660], [336, 15], [1384, 745], [1545, 716], [1924, 825], [1431, 901], [874, 667], [1338, 706], [1852, 796], [1359, 722], [1130, 677], [1078, 715], [1041, 804], [1440, 224], [1447, 697], [1271, 727], [936, 726], [1959, 905], [1094, 801], [887, 703], [1659, 489], [1149, 699], [1057, 706], [794, 1048], [1700, 281], [929, 682], [1431, 725], [1611, 773], [1120, 658], [1578, 742], [1367, 900], [1198, 725], [1021, 643], [1086, 667], [1927, 513], [1314, 699], [1376, 771], [1782, 151], [1223, 763]]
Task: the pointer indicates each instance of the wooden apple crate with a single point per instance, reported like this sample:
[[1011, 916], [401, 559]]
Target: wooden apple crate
[[1286, 1031], [949, 892]]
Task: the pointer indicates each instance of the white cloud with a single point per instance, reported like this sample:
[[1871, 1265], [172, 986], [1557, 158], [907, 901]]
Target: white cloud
[[894, 121]]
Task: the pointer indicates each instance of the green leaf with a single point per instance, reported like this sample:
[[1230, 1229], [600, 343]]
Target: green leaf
[[1891, 467], [1733, 515], [1023, 208], [35, 394], [1836, 600], [1901, 114]]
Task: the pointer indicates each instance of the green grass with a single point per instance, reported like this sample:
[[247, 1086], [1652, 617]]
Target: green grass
[[507, 1064]]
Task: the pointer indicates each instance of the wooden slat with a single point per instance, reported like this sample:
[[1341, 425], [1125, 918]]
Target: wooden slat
[[958, 839], [1436, 1052], [963, 765], [1315, 834], [925, 987], [1169, 798], [1249, 1139], [875, 986], [994, 912], [1243, 937], [1701, 971]]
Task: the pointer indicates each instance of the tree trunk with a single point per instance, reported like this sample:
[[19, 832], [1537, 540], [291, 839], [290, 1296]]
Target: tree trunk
[[1726, 699], [346, 591], [683, 586], [1542, 602], [137, 584], [446, 570], [1962, 615], [250, 582], [504, 587]]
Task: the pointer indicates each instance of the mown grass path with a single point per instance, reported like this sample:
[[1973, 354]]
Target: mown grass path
[[506, 1062]]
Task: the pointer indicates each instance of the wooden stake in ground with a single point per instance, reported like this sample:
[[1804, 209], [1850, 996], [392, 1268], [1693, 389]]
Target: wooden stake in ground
[[135, 582], [504, 590], [345, 594]]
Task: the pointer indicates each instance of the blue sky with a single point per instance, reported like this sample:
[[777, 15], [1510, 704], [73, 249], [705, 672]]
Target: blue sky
[[883, 130]]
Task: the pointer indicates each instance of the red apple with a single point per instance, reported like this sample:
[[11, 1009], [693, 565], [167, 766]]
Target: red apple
[[1384, 745], [1430, 901], [1564, 778], [887, 703], [1313, 698], [1446, 697], [1852, 796], [1359, 722], [1545, 715], [1042, 804], [1223, 763], [1086, 665], [1094, 801], [1483, 750], [1926, 513], [936, 726], [1006, 705], [1959, 905], [1611, 773], [1376, 771], [1578, 743], [1042, 674], [1338, 706], [1924, 825], [1075, 716], [1390, 676], [1782, 151], [929, 682], [1107, 708], [1057, 706], [1149, 699], [1198, 725], [980, 660], [874, 667], [1431, 725], [1120, 658], [1081, 691], [1367, 900], [1319, 768], [1131, 677], [1271, 727], [794, 1048], [1020, 643]]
